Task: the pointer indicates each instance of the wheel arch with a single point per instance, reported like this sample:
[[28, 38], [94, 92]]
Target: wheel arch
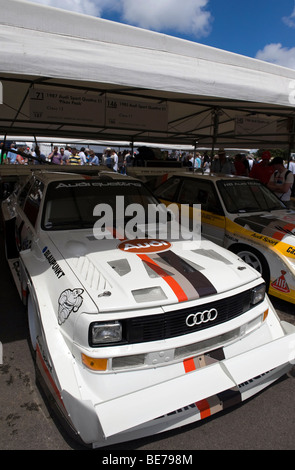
[[238, 248], [32, 318]]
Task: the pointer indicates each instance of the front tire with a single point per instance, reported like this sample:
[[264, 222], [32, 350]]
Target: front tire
[[253, 258]]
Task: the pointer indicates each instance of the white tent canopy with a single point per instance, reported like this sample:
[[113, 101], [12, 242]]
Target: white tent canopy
[[69, 75]]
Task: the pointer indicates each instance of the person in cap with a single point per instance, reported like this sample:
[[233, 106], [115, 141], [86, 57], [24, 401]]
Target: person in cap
[[281, 181], [262, 171]]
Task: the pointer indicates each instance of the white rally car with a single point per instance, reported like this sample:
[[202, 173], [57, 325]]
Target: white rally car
[[141, 335], [245, 217]]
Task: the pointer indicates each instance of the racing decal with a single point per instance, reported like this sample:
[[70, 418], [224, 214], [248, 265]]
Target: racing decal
[[203, 360], [186, 282], [53, 263], [199, 282], [291, 250], [245, 233], [268, 226], [211, 405], [264, 239], [70, 300], [145, 245], [222, 400], [280, 284], [173, 284]]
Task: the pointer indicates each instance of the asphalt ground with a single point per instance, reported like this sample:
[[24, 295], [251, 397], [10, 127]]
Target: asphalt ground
[[265, 422]]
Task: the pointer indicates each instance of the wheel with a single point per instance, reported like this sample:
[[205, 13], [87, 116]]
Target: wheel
[[253, 258]]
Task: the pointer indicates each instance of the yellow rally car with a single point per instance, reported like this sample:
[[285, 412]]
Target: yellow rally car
[[245, 217]]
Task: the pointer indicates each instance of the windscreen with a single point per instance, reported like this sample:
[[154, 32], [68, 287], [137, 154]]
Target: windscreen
[[248, 196], [71, 205]]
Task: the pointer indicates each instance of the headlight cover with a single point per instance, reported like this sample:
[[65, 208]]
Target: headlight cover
[[105, 333], [258, 294]]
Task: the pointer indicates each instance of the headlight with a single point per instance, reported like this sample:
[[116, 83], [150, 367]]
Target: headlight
[[105, 333], [258, 294]]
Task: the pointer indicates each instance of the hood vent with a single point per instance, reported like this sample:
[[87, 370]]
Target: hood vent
[[90, 274], [121, 266]]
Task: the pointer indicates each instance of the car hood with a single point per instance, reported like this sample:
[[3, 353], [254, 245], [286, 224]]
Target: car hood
[[277, 225], [149, 272]]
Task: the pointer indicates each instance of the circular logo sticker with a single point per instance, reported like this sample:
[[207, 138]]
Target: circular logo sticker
[[144, 245]]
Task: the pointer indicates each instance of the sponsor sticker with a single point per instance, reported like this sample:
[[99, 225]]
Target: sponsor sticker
[[280, 283], [144, 245]]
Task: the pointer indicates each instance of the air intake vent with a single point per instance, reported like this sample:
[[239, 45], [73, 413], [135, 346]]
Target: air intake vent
[[91, 275]]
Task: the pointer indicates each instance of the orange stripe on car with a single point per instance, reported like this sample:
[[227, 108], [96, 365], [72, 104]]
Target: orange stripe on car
[[204, 408], [177, 289], [189, 365]]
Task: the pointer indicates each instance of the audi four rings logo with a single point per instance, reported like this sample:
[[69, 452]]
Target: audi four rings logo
[[201, 317]]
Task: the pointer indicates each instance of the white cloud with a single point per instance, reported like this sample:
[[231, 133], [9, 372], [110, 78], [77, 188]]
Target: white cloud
[[87, 7], [277, 54], [290, 20], [188, 16]]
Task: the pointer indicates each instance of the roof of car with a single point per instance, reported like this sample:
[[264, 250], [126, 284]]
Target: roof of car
[[49, 176], [211, 176]]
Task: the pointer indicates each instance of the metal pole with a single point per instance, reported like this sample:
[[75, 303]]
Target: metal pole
[[216, 114]]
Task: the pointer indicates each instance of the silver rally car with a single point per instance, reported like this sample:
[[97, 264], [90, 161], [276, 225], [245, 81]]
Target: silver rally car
[[135, 335]]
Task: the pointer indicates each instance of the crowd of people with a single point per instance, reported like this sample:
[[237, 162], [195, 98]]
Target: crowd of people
[[117, 161], [272, 172]]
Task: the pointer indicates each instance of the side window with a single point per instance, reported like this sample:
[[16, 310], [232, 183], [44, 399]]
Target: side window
[[197, 191], [23, 193], [32, 203], [168, 190], [189, 192]]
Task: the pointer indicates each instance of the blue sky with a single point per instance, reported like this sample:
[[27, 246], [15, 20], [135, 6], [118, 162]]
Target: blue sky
[[264, 29]]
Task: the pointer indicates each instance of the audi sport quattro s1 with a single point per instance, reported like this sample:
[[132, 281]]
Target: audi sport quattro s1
[[134, 336], [245, 217]]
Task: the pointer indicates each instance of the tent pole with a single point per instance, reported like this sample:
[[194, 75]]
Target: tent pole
[[216, 114], [132, 147]]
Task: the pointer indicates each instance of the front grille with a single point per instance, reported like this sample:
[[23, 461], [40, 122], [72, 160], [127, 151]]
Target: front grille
[[173, 324]]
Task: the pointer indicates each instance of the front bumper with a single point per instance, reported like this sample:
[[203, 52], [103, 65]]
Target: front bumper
[[174, 402], [114, 406]]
